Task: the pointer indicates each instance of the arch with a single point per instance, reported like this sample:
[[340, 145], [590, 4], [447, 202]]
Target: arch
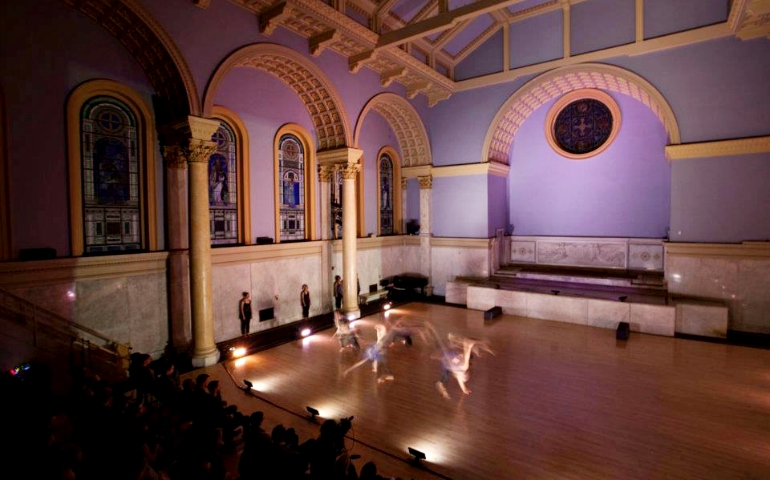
[[395, 190], [152, 47], [540, 90], [146, 139], [307, 80], [242, 144], [405, 122], [309, 180], [5, 186]]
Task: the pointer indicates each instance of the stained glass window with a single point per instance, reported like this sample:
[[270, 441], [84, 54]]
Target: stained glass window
[[583, 126], [223, 187], [291, 171], [110, 177], [386, 195]]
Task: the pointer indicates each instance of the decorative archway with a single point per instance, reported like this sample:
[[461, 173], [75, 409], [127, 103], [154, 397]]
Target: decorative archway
[[540, 90], [147, 41], [307, 80], [405, 122]]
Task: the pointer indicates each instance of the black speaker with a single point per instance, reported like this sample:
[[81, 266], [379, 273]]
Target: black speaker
[[26, 254], [493, 312], [266, 314], [264, 240], [623, 331]]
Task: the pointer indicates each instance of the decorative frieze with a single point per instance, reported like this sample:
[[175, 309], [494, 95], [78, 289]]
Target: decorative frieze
[[615, 253]]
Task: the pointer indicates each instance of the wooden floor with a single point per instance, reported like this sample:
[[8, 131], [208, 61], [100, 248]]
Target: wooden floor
[[558, 401]]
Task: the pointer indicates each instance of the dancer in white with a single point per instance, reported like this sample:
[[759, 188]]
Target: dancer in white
[[345, 334], [456, 360], [375, 354]]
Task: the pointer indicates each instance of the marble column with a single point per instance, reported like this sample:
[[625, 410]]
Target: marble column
[[426, 228], [404, 198], [325, 176], [200, 147], [349, 229], [175, 158]]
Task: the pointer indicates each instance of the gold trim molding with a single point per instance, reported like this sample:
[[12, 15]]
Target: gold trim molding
[[48, 272], [719, 148], [372, 243], [484, 243], [745, 250], [494, 169], [263, 253]]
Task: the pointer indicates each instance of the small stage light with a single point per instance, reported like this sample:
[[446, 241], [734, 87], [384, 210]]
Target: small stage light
[[313, 412], [238, 352], [418, 455], [305, 332], [248, 384], [386, 305]]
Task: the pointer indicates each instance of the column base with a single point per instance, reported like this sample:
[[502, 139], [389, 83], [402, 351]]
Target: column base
[[205, 359], [352, 313]]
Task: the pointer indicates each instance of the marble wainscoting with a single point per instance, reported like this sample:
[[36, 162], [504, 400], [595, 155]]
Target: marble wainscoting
[[737, 276], [380, 257], [458, 257], [123, 297], [643, 318], [273, 275], [614, 253]]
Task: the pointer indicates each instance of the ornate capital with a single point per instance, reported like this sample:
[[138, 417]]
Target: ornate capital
[[350, 171], [404, 183], [199, 151], [175, 156], [325, 174], [426, 182]]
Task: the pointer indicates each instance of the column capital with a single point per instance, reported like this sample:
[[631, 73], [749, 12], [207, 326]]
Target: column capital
[[175, 156], [426, 182], [199, 151], [325, 174], [344, 155], [196, 128], [404, 182], [350, 171]]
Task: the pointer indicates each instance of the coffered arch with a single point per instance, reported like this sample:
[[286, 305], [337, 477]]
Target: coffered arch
[[152, 47], [307, 80], [553, 84], [406, 124]]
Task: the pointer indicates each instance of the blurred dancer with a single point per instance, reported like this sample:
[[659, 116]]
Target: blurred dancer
[[345, 335], [456, 360], [375, 354]]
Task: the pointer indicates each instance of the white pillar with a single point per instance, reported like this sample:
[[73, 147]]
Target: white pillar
[[349, 230], [404, 198], [426, 228], [325, 176]]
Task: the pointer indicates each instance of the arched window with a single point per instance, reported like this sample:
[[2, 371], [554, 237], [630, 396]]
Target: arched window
[[223, 187], [294, 167], [111, 170], [388, 192]]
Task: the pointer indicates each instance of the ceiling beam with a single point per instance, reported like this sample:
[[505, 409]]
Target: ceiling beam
[[425, 11], [448, 35], [441, 22]]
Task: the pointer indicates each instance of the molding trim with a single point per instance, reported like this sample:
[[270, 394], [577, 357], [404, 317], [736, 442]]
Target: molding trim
[[146, 139], [745, 250], [310, 179], [244, 184], [406, 124], [719, 148], [487, 168], [263, 253], [62, 270], [415, 172], [373, 243], [485, 243], [310, 83]]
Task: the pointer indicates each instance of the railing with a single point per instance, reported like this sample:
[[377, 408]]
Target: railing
[[41, 322]]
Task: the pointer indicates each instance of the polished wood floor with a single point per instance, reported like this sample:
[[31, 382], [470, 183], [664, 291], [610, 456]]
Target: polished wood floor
[[557, 401]]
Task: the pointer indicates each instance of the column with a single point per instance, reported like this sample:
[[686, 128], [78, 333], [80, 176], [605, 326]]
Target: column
[[426, 228], [349, 229], [404, 198], [325, 176], [199, 149], [175, 159]]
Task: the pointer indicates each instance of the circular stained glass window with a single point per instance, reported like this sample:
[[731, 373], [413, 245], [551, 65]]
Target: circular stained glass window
[[582, 123]]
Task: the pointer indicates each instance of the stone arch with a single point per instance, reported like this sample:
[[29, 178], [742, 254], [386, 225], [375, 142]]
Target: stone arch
[[152, 47], [405, 122], [307, 80], [540, 90]]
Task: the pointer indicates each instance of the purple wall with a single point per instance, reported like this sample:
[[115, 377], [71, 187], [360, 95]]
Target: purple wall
[[497, 188], [39, 66], [413, 200], [622, 192], [460, 207], [662, 16], [547, 47], [721, 199], [600, 24], [375, 134], [488, 58]]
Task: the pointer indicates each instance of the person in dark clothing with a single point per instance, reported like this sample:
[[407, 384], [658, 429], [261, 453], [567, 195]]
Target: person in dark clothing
[[338, 292], [304, 297], [244, 313]]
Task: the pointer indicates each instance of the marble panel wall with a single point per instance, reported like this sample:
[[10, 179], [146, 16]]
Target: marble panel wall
[[451, 262], [616, 253]]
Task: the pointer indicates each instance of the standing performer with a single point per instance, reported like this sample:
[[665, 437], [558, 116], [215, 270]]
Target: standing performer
[[244, 313], [375, 354], [346, 335], [337, 292], [304, 298]]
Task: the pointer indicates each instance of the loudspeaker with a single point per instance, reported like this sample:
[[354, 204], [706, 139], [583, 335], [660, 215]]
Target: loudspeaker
[[493, 312], [266, 314], [264, 240], [26, 254], [623, 331]]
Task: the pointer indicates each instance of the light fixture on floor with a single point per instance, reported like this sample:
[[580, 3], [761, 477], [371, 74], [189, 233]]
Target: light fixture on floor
[[418, 455], [313, 412], [305, 332], [248, 386], [238, 352], [386, 306]]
